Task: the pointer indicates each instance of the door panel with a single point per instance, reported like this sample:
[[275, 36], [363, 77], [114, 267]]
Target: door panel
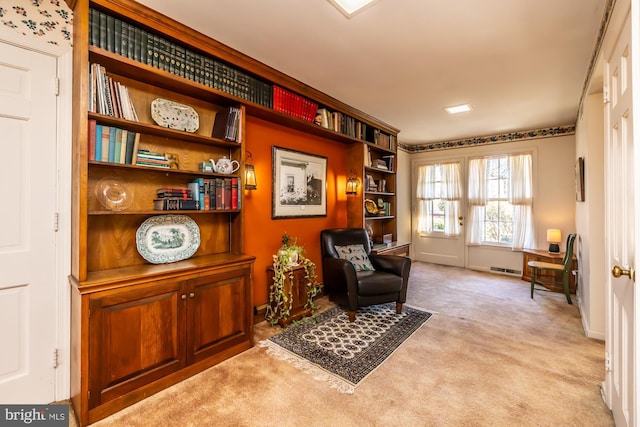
[[27, 240], [217, 313], [136, 337], [436, 247], [620, 217]]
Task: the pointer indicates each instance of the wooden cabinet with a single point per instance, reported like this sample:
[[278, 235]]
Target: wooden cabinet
[[147, 334], [549, 279], [296, 284]]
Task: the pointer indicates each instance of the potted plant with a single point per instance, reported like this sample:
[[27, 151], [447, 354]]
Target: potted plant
[[281, 296]]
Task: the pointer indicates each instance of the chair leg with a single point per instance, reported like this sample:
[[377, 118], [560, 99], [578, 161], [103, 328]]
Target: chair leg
[[533, 279], [399, 308], [352, 315], [565, 286]]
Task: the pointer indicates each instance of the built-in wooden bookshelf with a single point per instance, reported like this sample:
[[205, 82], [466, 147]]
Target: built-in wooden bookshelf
[[138, 327]]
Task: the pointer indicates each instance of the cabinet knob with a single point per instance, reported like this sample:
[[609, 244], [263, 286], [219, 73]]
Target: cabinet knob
[[191, 295], [183, 296]]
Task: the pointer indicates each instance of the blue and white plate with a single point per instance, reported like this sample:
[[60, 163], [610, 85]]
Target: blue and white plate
[[167, 238]]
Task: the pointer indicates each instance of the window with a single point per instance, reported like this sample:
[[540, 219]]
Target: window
[[500, 201], [497, 215], [439, 192]]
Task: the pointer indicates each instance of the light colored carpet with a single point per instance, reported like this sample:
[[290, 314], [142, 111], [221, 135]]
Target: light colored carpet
[[490, 356]]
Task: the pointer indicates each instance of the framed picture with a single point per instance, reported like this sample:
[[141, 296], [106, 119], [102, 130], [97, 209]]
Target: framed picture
[[299, 184], [580, 179]]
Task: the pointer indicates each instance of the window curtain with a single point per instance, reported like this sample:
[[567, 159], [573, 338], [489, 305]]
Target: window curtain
[[450, 193], [425, 192], [521, 198], [477, 199]]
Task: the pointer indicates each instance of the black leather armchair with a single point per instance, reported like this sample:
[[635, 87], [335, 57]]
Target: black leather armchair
[[353, 289]]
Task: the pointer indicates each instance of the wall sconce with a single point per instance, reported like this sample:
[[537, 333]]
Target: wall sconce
[[249, 173], [554, 237], [352, 184]]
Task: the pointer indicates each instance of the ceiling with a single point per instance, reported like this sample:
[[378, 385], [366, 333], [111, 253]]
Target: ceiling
[[522, 64]]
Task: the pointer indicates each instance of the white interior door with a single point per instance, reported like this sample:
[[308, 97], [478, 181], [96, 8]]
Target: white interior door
[[621, 195], [436, 246], [27, 239]]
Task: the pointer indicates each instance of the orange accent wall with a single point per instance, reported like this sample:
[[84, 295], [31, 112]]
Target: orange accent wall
[[263, 234]]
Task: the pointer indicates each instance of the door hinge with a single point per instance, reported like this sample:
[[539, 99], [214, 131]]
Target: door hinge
[[56, 86], [607, 361], [56, 358], [56, 221], [605, 94]]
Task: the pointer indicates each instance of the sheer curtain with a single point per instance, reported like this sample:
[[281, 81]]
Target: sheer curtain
[[450, 191], [521, 198], [477, 199]]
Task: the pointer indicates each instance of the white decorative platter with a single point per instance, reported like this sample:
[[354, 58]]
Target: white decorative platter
[[170, 114], [167, 238]]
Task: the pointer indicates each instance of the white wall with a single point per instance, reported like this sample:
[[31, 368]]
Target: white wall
[[403, 192], [590, 215], [554, 192]]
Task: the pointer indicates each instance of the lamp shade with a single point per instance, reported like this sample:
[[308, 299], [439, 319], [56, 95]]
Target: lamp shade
[[250, 177], [554, 236], [352, 185]]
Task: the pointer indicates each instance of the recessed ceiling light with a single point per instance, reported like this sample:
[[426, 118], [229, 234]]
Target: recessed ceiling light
[[350, 7], [458, 109]]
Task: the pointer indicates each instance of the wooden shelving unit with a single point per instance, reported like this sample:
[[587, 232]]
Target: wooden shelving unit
[[137, 327]]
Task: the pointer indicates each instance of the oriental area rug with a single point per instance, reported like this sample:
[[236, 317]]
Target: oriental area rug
[[332, 349]]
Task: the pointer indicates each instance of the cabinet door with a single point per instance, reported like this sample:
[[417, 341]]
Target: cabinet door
[[136, 337], [219, 315]]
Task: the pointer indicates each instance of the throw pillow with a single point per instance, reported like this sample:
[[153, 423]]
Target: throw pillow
[[356, 255]]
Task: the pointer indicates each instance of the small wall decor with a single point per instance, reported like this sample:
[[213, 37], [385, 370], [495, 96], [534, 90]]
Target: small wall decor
[[580, 179], [299, 184]]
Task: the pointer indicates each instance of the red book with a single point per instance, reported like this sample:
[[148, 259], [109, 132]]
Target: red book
[[234, 192], [92, 139]]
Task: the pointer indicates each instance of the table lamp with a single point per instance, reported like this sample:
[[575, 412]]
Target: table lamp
[[554, 237]]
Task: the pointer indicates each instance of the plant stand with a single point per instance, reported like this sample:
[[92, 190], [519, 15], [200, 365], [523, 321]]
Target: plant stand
[[295, 283]]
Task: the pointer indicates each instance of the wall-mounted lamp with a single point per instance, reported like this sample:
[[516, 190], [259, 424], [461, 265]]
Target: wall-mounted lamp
[[352, 184], [554, 237], [249, 173]]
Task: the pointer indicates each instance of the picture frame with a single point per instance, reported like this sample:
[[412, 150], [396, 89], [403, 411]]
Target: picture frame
[[579, 179], [299, 184]]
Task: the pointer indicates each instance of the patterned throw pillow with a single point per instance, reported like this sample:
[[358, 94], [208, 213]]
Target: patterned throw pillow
[[356, 255]]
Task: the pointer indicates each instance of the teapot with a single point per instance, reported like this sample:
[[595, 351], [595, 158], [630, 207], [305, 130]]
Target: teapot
[[225, 165]]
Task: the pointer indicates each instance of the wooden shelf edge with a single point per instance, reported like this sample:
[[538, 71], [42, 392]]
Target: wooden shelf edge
[[127, 276]]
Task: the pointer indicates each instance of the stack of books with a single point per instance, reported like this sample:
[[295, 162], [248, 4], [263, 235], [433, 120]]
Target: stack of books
[[152, 159], [175, 199]]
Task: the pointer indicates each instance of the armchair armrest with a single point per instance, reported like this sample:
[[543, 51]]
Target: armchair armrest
[[340, 275], [395, 264]]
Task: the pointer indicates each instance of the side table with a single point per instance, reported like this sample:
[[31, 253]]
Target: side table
[[551, 280], [297, 284]]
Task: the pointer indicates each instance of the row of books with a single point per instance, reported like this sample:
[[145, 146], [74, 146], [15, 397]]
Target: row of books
[[382, 139], [216, 193], [112, 144], [292, 104], [109, 97], [339, 122], [125, 39], [175, 199]]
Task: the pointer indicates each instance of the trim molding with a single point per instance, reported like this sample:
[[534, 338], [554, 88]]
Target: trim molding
[[491, 139]]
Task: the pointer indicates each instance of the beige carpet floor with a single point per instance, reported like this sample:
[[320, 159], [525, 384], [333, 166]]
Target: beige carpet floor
[[491, 356]]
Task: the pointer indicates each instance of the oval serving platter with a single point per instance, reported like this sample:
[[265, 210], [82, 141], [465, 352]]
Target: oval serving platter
[[173, 115], [167, 238]]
